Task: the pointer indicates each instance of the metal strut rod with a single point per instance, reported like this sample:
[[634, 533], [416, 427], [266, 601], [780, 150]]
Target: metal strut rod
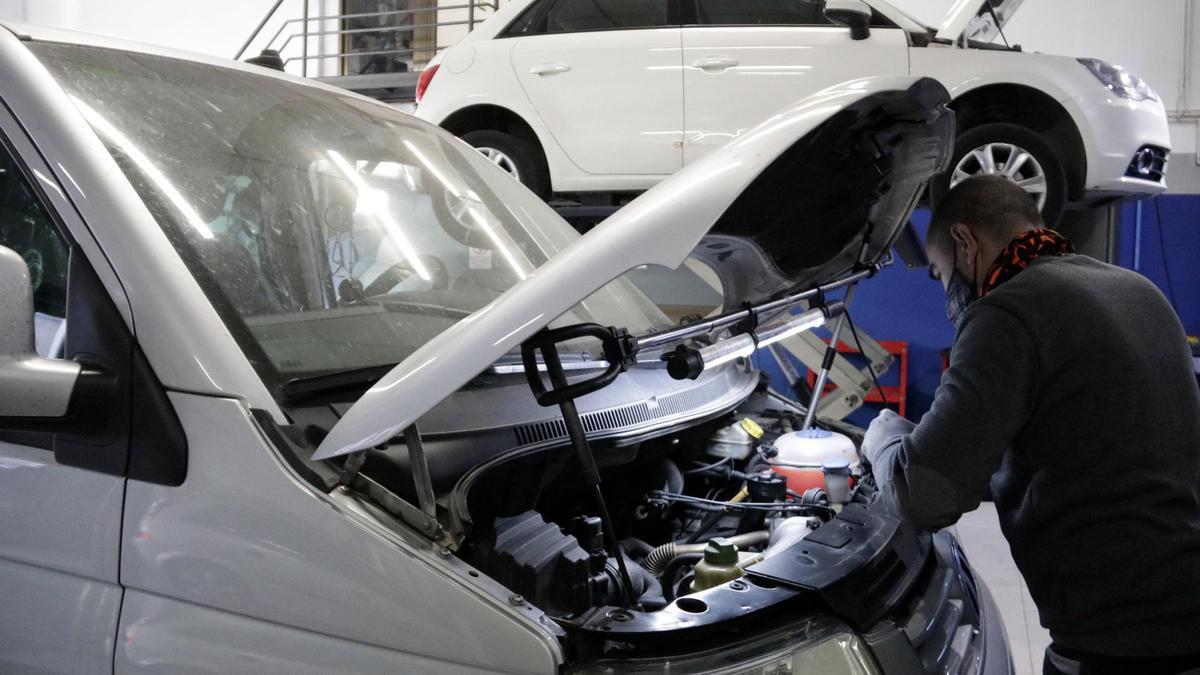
[[689, 362], [830, 355], [706, 326]]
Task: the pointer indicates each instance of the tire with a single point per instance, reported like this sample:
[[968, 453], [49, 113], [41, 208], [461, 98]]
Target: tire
[[1002, 141], [520, 158]]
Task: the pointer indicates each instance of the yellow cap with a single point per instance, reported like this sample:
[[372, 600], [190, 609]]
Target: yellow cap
[[751, 427]]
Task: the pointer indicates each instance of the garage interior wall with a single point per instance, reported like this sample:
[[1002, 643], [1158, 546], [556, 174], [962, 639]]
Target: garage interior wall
[[1157, 39]]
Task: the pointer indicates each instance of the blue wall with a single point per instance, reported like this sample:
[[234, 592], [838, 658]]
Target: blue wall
[[1173, 245], [902, 304]]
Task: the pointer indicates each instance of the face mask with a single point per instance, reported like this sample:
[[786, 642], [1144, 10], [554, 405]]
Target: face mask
[[960, 293]]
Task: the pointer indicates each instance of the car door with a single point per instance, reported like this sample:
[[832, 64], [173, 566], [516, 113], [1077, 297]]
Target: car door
[[743, 60], [604, 78], [60, 530]]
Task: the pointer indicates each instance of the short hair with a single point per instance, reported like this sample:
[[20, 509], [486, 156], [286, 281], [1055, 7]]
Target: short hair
[[993, 207]]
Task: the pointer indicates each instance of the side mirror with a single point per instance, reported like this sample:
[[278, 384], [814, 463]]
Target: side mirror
[[39, 394], [854, 14]]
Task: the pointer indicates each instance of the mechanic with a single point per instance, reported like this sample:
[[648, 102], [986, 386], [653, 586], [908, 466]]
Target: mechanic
[[1070, 390]]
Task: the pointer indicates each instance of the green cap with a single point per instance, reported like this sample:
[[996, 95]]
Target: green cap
[[721, 551]]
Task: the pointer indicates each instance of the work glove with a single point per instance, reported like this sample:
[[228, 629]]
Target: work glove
[[881, 442]]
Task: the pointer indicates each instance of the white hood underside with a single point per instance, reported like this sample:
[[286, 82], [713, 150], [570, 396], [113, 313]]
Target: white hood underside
[[661, 227]]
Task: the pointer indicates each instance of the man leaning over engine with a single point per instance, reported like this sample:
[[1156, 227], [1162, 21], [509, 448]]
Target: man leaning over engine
[[1071, 391]]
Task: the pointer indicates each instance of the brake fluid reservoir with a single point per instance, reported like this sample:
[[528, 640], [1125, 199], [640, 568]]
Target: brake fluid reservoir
[[736, 440], [802, 455]]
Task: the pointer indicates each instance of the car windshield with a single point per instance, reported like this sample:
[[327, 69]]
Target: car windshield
[[331, 233]]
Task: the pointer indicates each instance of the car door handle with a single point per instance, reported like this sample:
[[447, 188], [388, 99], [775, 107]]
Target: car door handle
[[714, 63], [545, 69]]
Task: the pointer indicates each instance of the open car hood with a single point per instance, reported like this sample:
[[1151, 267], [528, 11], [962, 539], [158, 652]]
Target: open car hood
[[974, 20], [802, 197]]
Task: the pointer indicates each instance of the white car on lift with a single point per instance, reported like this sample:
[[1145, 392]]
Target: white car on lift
[[585, 96]]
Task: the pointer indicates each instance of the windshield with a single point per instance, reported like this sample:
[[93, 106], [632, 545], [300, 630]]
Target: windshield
[[330, 233]]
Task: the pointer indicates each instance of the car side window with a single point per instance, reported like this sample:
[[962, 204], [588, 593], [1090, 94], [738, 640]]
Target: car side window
[[26, 227], [577, 16], [761, 12], [528, 22]]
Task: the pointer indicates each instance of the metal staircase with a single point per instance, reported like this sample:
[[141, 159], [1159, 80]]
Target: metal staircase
[[379, 53]]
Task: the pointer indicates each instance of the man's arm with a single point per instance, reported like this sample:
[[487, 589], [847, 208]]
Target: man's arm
[[940, 469]]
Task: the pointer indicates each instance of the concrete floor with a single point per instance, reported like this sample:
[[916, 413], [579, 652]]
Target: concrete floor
[[987, 551]]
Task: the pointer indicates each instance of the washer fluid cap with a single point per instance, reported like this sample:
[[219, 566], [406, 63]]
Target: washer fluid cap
[[836, 465]]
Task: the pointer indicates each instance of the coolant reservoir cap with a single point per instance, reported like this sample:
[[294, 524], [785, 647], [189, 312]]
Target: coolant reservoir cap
[[721, 551], [814, 433]]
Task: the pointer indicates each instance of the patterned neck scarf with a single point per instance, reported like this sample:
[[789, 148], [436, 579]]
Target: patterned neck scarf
[[1027, 247]]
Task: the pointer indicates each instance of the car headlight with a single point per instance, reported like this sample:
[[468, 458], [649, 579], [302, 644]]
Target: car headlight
[[817, 646], [1120, 81]]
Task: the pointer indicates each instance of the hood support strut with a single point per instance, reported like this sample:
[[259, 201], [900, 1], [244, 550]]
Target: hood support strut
[[827, 364], [615, 343], [423, 516]]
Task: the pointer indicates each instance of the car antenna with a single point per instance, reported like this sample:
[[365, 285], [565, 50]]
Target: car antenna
[[619, 351]]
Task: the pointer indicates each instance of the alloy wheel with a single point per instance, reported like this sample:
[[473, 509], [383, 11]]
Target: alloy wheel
[[1007, 160], [502, 160]]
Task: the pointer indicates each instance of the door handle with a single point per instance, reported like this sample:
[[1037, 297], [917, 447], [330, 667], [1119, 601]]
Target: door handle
[[714, 64], [545, 69]]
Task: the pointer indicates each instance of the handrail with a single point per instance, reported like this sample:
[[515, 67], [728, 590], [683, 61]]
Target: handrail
[[359, 31], [293, 29], [380, 52], [331, 17], [258, 29]]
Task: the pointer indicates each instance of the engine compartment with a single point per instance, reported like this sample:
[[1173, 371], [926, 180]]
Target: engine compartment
[[731, 519], [709, 525]]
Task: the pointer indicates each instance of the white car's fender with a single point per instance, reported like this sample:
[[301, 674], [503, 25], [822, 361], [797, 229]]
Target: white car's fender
[[1110, 128]]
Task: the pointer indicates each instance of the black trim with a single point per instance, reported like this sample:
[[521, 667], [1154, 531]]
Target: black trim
[[692, 20], [297, 451], [158, 448], [137, 434], [534, 21]]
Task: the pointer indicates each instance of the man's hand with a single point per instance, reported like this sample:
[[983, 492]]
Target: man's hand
[[884, 430], [881, 442]]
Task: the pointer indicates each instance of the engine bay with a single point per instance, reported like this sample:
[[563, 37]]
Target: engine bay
[[710, 519], [728, 521]]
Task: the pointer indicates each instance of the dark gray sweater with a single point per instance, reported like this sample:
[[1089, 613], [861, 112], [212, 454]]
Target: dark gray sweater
[[1071, 390]]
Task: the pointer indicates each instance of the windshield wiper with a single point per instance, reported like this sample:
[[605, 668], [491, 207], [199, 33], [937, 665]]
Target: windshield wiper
[[357, 378]]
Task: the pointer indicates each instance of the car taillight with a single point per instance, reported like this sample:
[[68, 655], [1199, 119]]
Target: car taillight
[[424, 80]]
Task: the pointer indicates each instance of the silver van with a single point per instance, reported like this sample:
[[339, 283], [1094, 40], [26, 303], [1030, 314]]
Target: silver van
[[293, 382]]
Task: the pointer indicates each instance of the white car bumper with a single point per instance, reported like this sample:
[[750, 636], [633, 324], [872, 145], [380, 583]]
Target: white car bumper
[[1118, 134]]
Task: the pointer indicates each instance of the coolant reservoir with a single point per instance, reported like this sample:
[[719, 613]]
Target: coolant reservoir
[[803, 454]]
